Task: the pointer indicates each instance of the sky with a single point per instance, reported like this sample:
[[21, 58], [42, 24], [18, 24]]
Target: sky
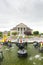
[[29, 12]]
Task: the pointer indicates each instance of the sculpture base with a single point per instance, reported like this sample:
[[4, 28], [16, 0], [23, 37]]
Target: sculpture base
[[22, 52]]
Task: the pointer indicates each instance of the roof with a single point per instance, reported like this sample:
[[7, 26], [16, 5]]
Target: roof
[[5, 32], [28, 28], [14, 28], [21, 25]]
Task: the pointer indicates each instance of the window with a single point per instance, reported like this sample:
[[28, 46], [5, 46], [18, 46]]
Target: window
[[24, 29], [21, 29], [18, 29]]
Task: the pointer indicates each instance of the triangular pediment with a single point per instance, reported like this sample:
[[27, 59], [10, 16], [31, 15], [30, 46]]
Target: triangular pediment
[[21, 25]]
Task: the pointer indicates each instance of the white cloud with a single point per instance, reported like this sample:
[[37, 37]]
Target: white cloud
[[13, 12]]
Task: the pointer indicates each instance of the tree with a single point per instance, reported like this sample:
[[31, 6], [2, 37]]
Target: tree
[[27, 33], [8, 33], [41, 34], [36, 33], [14, 33], [1, 34]]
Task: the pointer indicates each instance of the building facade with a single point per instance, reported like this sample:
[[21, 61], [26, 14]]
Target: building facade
[[20, 29]]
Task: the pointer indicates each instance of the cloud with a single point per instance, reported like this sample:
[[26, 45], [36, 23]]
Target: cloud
[[29, 12], [38, 10]]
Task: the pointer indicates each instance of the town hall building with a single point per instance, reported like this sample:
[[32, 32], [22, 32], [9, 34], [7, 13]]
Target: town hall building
[[20, 29]]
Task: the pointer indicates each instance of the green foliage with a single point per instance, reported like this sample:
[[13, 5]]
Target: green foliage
[[41, 33], [14, 33], [1, 34], [9, 33], [36, 33]]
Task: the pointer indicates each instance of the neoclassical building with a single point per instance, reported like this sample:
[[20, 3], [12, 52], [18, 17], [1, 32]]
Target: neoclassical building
[[20, 29]]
